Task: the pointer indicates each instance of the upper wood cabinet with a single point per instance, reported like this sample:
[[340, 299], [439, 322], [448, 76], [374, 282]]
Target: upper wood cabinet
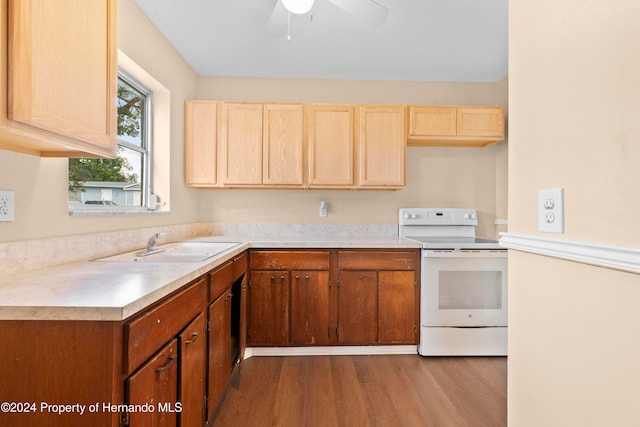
[[432, 121], [382, 146], [330, 136], [480, 121], [241, 143], [261, 144], [282, 144], [201, 143], [58, 92], [455, 126]]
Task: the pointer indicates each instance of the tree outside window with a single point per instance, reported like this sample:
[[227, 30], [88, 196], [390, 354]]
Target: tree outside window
[[122, 181]]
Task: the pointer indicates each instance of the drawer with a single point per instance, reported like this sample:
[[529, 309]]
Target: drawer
[[221, 280], [289, 260], [147, 333], [240, 265], [378, 260]]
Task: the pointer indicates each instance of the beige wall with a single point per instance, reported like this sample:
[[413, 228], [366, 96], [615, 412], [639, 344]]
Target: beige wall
[[574, 103], [40, 185], [436, 177]]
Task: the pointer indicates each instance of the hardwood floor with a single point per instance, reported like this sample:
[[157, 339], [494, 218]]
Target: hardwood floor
[[397, 390]]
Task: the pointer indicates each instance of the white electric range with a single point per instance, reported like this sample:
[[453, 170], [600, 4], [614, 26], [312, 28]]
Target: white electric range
[[463, 303]]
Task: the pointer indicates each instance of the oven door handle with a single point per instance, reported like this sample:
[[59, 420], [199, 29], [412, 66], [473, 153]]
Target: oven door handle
[[464, 253]]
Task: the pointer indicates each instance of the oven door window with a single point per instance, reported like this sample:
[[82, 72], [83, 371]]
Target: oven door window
[[475, 290], [464, 292]]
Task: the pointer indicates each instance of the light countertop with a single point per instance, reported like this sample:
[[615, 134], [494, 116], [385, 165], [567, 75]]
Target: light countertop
[[114, 291]]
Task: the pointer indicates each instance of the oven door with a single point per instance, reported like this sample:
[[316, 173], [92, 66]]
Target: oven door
[[464, 288]]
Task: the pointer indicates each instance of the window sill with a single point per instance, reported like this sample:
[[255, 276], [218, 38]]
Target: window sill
[[101, 211]]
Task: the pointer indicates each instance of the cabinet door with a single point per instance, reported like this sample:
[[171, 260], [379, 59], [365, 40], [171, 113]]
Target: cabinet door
[[357, 307], [432, 121], [309, 308], [282, 144], [241, 141], [481, 121], [330, 140], [156, 384], [382, 146], [200, 143], [63, 70], [193, 347], [219, 349], [268, 308], [397, 307]]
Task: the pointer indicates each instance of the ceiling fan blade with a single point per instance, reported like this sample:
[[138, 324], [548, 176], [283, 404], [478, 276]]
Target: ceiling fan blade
[[369, 11], [277, 23]]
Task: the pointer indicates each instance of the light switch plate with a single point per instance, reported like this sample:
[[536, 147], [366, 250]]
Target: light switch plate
[[6, 206], [551, 210]]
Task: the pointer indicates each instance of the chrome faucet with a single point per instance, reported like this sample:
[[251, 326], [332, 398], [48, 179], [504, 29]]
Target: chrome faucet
[[151, 245]]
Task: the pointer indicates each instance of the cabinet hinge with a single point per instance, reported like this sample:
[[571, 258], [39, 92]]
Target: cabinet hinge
[[248, 333], [338, 283], [329, 284], [124, 418], [329, 332], [208, 326], [337, 331], [249, 283]]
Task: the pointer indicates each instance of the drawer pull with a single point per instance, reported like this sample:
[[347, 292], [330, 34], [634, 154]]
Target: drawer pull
[[366, 277], [168, 365], [194, 337]]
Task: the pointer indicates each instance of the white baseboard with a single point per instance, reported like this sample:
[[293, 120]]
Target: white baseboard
[[610, 256], [330, 350]]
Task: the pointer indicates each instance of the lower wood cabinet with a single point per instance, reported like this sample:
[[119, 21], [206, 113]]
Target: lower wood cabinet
[[269, 309], [227, 325], [357, 307], [162, 359], [173, 380], [155, 383], [219, 351], [378, 294], [333, 297], [193, 351], [309, 317]]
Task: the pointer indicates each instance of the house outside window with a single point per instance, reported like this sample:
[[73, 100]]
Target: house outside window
[[122, 184]]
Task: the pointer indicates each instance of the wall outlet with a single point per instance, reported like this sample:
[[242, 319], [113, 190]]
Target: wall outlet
[[6, 205], [324, 209], [551, 210]]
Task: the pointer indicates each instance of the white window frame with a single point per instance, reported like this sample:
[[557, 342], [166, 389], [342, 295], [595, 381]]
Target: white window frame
[[157, 198], [146, 147]]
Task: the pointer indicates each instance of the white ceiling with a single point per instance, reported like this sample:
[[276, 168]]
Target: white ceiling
[[421, 40]]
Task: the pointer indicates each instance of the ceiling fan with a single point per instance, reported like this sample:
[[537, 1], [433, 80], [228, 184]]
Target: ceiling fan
[[371, 12]]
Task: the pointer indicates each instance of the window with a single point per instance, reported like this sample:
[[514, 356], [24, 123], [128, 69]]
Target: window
[[123, 183]]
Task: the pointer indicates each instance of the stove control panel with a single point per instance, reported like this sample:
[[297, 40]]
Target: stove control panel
[[437, 216]]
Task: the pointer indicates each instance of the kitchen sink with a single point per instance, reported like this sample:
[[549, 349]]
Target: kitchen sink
[[175, 252]]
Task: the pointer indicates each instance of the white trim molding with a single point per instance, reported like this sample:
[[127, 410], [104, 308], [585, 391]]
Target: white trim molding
[[337, 350], [610, 256]]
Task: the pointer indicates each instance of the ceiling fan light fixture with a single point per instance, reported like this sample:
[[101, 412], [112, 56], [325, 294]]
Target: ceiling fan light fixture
[[298, 7]]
